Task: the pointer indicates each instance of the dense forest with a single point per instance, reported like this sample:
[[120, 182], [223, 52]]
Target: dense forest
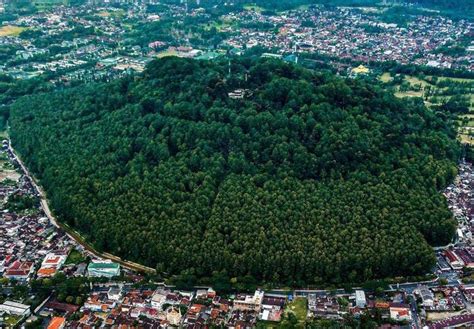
[[309, 178]]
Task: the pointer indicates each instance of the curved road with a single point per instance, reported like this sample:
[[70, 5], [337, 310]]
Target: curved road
[[70, 232]]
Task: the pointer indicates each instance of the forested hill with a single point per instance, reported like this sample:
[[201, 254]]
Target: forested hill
[[310, 178]]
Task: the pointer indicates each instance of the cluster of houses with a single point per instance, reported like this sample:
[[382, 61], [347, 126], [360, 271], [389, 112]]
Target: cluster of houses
[[341, 33], [118, 305], [457, 259], [28, 241], [461, 202], [441, 299], [31, 247], [393, 306], [349, 33], [65, 58]]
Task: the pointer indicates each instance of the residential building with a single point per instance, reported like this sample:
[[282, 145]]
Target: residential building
[[249, 303], [15, 308], [361, 301], [57, 323]]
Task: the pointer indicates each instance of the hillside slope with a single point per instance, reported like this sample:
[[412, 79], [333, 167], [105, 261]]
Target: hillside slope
[[311, 178]]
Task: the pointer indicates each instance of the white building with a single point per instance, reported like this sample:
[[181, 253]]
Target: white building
[[361, 301], [249, 303], [427, 296], [400, 313], [114, 293], [158, 299], [15, 308], [53, 261]]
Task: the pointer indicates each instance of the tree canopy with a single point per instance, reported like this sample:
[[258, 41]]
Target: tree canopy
[[308, 178]]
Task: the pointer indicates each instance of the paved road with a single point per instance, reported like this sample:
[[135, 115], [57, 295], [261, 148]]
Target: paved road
[[71, 233], [414, 312]]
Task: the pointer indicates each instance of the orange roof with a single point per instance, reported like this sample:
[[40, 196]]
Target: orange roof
[[53, 260], [56, 322], [46, 271], [84, 319], [214, 313], [382, 304]]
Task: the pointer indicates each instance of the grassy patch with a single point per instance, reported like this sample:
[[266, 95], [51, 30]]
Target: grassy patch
[[415, 81], [11, 30], [455, 79], [167, 53], [410, 93], [75, 257], [119, 13], [299, 307], [10, 320], [385, 77], [466, 139], [253, 7], [303, 7], [268, 324], [218, 24]]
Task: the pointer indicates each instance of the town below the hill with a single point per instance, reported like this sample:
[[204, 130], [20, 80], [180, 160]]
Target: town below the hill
[[51, 279]]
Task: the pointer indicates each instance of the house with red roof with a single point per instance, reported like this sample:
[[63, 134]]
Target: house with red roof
[[20, 271]]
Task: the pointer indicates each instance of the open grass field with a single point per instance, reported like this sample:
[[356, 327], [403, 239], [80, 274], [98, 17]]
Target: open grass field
[[385, 77], [455, 79], [415, 81], [466, 121], [253, 7], [299, 307], [11, 30], [118, 13], [303, 7], [220, 25], [74, 257], [409, 93], [167, 53], [268, 325], [436, 316], [11, 321]]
